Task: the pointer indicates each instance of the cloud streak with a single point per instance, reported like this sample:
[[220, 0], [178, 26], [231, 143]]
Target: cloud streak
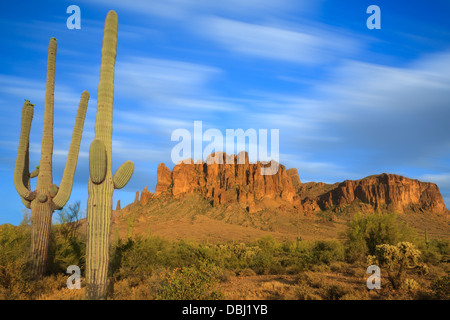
[[299, 44]]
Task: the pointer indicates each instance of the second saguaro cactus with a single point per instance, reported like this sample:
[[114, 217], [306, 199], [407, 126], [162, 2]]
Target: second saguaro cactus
[[102, 183]]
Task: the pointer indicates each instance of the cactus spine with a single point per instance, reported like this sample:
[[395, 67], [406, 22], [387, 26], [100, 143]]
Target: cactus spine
[[101, 183], [47, 197]]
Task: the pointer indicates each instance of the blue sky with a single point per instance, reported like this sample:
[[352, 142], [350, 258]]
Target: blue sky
[[348, 101]]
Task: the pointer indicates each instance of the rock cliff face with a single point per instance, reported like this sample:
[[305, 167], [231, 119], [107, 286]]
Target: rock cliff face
[[293, 174], [232, 179], [385, 192], [228, 178]]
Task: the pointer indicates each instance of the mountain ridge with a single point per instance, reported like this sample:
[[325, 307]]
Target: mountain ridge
[[231, 201], [225, 182]]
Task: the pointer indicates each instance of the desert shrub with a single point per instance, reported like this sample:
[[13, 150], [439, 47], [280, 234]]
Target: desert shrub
[[337, 266], [410, 285], [262, 262], [139, 260], [312, 279], [118, 250], [13, 279], [140, 256], [66, 246], [190, 283], [296, 255], [267, 243], [327, 252], [441, 287], [234, 256], [64, 294], [395, 259], [185, 255], [247, 272], [319, 268], [48, 285], [356, 295], [293, 269], [335, 292], [435, 250], [225, 275], [264, 256], [315, 286], [14, 249], [366, 232], [14, 241], [136, 288], [304, 292], [63, 252]]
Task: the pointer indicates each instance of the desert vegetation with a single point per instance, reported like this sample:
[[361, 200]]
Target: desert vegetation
[[152, 267]]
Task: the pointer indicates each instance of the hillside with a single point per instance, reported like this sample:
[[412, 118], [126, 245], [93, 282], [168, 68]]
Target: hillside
[[220, 200]]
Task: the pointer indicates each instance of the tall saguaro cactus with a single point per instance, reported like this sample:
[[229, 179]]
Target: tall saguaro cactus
[[48, 196], [102, 183]]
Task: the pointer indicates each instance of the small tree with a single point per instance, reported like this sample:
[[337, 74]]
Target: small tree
[[365, 233], [396, 259], [69, 218]]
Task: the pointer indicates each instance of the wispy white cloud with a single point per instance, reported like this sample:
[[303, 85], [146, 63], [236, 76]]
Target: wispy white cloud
[[441, 179], [159, 79], [301, 43]]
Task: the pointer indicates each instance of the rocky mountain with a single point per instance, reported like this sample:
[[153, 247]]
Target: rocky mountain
[[384, 192], [227, 181], [232, 200], [233, 179]]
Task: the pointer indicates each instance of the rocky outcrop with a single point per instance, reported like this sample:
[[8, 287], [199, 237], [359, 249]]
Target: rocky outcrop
[[164, 179], [293, 174], [226, 178], [384, 192], [145, 196]]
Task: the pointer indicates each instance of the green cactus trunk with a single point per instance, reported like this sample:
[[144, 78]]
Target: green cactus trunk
[[41, 222], [47, 196], [101, 183], [99, 228]]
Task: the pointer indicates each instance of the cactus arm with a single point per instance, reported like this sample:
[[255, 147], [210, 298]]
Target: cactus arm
[[21, 175], [63, 194], [35, 173], [45, 172], [26, 178], [105, 97], [26, 203], [97, 161], [123, 174]]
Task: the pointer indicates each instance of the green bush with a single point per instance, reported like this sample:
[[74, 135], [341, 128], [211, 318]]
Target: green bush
[[441, 287], [67, 247], [327, 252], [435, 250], [140, 256], [190, 283], [366, 232], [14, 251]]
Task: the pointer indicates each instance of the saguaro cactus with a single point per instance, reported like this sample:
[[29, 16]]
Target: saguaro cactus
[[102, 183], [48, 196]]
